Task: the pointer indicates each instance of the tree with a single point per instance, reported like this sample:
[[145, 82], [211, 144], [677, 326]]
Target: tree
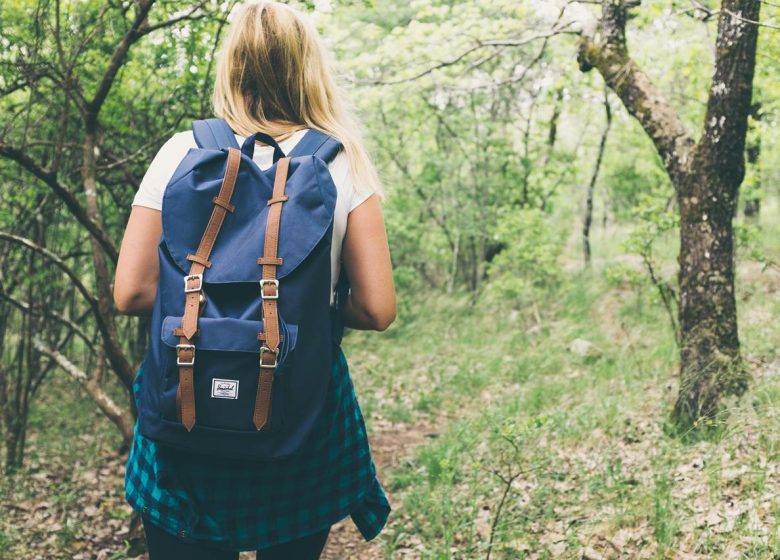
[[706, 176], [75, 87]]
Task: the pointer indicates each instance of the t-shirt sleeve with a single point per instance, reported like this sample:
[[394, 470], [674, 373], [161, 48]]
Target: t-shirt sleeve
[[341, 175], [359, 198], [150, 192]]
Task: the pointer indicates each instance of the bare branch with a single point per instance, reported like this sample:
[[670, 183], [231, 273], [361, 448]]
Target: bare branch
[[607, 52], [54, 259], [751, 21], [189, 16], [117, 60], [121, 418], [50, 178], [480, 44], [114, 351], [49, 314], [594, 179]]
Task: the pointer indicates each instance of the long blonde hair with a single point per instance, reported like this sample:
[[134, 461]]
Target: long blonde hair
[[274, 75]]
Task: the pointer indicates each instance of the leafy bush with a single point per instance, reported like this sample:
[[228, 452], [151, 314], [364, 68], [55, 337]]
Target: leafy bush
[[528, 261]]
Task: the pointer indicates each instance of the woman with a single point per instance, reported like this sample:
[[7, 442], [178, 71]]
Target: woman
[[273, 77]]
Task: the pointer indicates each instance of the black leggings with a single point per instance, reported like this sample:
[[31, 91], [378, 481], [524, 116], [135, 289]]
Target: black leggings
[[164, 546]]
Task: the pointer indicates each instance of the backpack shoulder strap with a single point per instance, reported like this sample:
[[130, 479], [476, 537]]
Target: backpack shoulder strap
[[214, 134], [316, 143]]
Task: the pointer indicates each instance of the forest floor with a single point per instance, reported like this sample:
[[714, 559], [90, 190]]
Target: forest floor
[[533, 427]]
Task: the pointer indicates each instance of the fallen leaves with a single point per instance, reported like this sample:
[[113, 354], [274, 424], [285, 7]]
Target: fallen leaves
[[78, 513]]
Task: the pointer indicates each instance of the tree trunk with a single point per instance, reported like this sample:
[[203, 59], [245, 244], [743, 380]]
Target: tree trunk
[[588, 221], [706, 177], [710, 359]]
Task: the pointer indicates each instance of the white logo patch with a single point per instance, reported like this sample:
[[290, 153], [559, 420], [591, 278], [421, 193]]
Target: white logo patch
[[224, 388]]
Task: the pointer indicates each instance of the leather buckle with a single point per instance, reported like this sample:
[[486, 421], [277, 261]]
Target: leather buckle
[[264, 349], [272, 281], [185, 347], [198, 277]]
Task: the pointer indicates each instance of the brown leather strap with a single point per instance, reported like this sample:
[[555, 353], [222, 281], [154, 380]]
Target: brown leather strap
[[261, 337], [178, 400], [178, 331], [269, 287], [193, 287], [224, 203], [185, 393], [263, 398], [268, 260], [200, 260], [276, 200]]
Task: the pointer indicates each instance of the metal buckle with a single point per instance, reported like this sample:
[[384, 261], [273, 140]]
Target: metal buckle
[[272, 281], [185, 347], [198, 277], [274, 352]]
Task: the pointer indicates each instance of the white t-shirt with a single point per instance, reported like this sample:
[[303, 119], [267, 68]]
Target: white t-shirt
[[150, 192]]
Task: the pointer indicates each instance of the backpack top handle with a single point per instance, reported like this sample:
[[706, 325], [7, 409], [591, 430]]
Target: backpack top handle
[[248, 148]]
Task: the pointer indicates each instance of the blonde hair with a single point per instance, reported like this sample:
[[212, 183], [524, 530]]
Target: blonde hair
[[274, 75]]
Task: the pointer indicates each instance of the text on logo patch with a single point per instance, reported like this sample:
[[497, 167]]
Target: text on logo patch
[[224, 388]]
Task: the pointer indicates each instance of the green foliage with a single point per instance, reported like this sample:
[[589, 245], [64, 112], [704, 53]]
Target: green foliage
[[529, 259], [656, 217], [748, 241], [630, 180], [620, 275], [663, 520]]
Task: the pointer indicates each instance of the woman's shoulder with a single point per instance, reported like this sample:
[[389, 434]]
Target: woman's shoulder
[[341, 173], [184, 139]]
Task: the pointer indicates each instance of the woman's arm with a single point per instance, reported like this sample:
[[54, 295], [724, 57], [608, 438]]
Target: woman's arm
[[366, 256], [138, 269]]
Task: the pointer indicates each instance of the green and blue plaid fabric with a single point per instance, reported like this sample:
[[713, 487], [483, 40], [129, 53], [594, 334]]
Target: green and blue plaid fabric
[[242, 505]]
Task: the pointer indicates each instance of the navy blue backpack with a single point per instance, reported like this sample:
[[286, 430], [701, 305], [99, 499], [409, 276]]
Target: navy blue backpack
[[242, 330]]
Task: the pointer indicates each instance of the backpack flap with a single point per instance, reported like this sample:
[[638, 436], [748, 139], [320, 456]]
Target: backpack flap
[[308, 214], [227, 334]]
